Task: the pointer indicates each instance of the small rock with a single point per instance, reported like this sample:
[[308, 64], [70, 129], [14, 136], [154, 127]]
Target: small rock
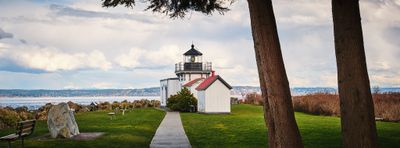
[[41, 113], [61, 121], [74, 106]]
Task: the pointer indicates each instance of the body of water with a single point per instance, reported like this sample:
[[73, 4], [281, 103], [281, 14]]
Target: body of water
[[36, 102]]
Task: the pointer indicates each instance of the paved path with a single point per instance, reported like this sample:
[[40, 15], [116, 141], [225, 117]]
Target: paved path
[[170, 133]]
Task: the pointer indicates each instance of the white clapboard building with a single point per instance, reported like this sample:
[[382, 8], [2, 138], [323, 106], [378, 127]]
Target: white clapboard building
[[211, 91]]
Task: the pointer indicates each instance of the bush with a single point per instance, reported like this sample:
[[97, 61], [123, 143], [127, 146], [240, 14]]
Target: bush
[[318, 103], [253, 98], [124, 105], [155, 103], [137, 104], [8, 118], [146, 103], [104, 106], [115, 105], [234, 100], [21, 109], [184, 101], [386, 105]]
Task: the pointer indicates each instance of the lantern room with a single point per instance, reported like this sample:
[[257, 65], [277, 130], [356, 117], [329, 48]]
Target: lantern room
[[192, 56], [192, 66]]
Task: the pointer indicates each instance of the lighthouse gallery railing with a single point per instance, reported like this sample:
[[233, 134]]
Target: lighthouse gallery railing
[[193, 66]]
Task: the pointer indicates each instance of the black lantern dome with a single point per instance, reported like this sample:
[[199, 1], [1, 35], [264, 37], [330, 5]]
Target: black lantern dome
[[192, 52]]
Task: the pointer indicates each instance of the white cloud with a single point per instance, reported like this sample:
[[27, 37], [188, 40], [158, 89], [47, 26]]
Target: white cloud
[[294, 13], [391, 81], [146, 58], [52, 59], [131, 59]]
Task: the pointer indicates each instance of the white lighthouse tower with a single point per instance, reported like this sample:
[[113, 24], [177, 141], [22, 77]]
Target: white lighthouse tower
[[211, 91], [192, 66]]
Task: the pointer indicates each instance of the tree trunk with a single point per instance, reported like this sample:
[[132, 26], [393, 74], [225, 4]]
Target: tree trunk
[[264, 95], [356, 105], [278, 109]]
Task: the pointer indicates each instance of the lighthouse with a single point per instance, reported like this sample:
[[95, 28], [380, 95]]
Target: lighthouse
[[192, 67], [211, 91]]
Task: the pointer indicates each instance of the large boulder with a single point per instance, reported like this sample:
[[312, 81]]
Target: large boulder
[[61, 121]]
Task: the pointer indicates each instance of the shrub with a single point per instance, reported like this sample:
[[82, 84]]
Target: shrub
[[8, 118], [124, 105], [253, 98], [104, 106], [146, 103], [21, 109], [183, 101], [115, 105], [131, 105], [318, 103], [386, 105], [234, 100], [155, 103], [137, 104]]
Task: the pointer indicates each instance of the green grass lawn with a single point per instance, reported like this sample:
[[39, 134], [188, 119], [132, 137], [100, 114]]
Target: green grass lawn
[[245, 127], [135, 129]]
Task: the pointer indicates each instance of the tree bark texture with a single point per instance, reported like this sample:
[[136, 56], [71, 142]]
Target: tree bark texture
[[264, 95], [356, 104], [278, 109]]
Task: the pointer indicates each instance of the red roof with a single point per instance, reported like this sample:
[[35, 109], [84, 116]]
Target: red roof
[[190, 83], [210, 80]]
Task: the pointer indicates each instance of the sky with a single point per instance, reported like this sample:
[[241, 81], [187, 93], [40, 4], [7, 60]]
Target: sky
[[71, 44]]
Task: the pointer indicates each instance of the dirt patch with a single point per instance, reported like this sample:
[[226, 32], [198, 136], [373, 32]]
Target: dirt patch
[[88, 136]]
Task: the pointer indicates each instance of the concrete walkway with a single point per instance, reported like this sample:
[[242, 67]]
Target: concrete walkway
[[170, 133]]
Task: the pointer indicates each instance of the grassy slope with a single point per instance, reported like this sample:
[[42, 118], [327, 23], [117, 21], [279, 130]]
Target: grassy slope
[[244, 127], [135, 129]]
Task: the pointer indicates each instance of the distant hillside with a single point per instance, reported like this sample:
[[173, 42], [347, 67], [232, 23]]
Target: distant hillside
[[154, 91], [242, 90]]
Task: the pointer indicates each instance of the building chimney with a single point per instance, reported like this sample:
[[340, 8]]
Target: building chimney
[[212, 73]]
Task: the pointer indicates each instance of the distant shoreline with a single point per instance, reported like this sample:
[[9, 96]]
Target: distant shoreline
[[155, 91], [35, 102], [67, 96]]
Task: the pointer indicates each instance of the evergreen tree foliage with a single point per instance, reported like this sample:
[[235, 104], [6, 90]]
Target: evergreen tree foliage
[[183, 101], [176, 8]]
